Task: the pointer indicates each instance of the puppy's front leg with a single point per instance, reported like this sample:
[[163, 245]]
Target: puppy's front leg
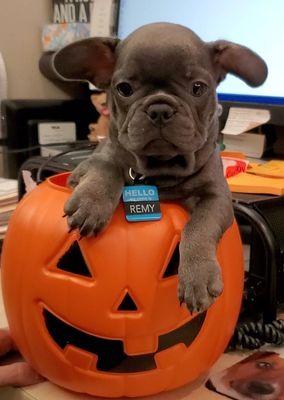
[[98, 184], [200, 280]]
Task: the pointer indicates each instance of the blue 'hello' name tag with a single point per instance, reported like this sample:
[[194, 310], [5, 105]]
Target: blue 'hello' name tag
[[141, 203]]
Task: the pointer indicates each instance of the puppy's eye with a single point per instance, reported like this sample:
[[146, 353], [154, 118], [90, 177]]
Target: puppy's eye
[[124, 89], [263, 365], [198, 88]]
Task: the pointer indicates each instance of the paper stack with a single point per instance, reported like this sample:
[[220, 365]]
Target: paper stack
[[238, 134], [8, 202]]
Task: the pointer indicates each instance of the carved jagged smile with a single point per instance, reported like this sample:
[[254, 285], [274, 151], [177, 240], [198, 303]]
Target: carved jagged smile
[[110, 352]]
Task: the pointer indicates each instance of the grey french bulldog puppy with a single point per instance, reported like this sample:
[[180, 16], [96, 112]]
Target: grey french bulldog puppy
[[161, 83]]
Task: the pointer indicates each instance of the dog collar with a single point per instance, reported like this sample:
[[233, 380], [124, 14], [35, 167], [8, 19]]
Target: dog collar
[[134, 176]]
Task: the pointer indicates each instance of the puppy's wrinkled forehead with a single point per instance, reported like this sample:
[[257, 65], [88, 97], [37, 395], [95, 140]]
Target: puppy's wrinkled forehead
[[156, 50]]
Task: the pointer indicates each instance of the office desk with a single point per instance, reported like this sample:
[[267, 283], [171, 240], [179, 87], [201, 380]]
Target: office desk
[[48, 391]]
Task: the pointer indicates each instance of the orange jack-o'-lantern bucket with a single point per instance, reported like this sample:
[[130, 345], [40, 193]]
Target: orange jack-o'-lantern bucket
[[101, 315]]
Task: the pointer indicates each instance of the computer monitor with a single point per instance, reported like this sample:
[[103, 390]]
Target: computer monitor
[[257, 24]]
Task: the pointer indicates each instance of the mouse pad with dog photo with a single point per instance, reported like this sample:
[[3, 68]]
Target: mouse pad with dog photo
[[258, 377]]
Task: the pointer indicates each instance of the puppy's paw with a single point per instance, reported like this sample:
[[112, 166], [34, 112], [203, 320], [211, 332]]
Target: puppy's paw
[[79, 172], [199, 285], [87, 211]]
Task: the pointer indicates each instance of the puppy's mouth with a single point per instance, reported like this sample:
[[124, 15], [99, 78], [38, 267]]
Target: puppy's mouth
[[160, 153], [161, 161], [109, 354], [161, 147], [254, 389]]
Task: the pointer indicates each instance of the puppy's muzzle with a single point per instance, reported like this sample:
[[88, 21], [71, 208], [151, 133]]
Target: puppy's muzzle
[[160, 114]]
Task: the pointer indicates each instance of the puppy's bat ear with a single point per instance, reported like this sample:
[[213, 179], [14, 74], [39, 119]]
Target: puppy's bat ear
[[91, 60], [238, 60]]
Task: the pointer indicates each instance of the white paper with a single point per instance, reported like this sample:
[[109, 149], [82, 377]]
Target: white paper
[[102, 18], [251, 144], [242, 120], [56, 132], [30, 184], [8, 186]]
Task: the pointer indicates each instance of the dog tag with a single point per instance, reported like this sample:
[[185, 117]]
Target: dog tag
[[141, 203]]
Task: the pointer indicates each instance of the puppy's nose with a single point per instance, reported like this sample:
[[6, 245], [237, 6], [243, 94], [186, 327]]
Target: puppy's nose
[[160, 113]]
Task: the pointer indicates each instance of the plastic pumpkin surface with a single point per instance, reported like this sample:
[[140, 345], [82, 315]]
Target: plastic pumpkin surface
[[101, 315]]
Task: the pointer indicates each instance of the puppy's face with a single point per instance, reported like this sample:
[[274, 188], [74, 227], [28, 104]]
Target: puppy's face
[[162, 84], [163, 95], [259, 377]]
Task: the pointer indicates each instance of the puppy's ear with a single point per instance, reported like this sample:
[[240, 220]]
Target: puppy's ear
[[91, 60], [238, 60]]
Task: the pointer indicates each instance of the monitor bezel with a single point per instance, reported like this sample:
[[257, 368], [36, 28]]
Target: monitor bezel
[[256, 99]]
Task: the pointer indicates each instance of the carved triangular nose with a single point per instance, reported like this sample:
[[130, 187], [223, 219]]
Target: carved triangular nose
[[127, 304]]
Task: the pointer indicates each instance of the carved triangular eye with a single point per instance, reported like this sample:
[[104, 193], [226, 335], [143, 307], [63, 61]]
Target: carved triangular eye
[[73, 261], [172, 267], [127, 304]]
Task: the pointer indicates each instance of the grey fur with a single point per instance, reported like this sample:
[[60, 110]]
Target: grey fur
[[177, 150]]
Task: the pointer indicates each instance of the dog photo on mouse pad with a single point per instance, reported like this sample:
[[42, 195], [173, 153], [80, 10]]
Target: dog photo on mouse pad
[[258, 377]]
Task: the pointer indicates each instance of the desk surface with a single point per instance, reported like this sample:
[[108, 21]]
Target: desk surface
[[48, 391]]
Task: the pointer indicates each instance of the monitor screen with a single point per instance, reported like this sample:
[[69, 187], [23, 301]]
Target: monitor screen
[[257, 24]]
